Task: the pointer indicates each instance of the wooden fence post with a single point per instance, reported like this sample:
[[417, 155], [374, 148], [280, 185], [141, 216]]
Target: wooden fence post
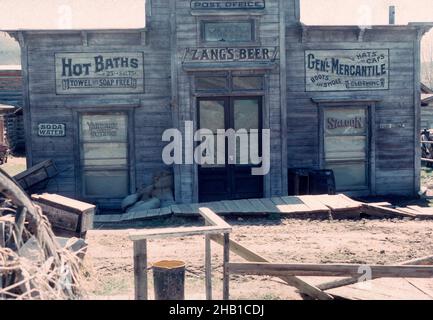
[[208, 267], [226, 280], [140, 269]]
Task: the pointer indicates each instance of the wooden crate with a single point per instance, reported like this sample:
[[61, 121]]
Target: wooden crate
[[70, 216], [36, 174]]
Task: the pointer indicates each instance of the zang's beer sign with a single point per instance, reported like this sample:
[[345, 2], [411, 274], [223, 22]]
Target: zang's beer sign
[[347, 70], [238, 54], [82, 73], [226, 4]]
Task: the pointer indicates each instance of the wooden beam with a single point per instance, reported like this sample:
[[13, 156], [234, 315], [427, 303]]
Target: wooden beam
[[140, 269], [175, 232], [208, 267], [348, 281], [226, 261], [2, 245], [301, 285], [375, 210], [212, 218], [330, 270]]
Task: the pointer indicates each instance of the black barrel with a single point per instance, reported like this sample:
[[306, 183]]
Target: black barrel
[[169, 280]]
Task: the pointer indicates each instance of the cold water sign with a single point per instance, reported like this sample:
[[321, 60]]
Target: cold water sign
[[347, 70], [84, 73], [226, 4]]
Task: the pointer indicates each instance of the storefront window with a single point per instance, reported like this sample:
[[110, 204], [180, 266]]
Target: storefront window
[[346, 147], [228, 31], [247, 83], [211, 83], [104, 155]]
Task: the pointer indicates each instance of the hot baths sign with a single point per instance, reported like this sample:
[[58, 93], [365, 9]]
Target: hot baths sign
[[95, 73], [346, 70]]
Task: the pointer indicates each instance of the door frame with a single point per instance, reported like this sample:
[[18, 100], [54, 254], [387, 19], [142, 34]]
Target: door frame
[[370, 107], [229, 124], [129, 110]]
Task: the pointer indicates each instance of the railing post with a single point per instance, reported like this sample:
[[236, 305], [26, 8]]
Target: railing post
[[140, 269], [226, 280], [208, 268]]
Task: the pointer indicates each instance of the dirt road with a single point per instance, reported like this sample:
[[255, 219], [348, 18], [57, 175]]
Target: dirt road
[[286, 241]]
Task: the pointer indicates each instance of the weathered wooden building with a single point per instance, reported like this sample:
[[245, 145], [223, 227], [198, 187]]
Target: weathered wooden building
[[338, 97]]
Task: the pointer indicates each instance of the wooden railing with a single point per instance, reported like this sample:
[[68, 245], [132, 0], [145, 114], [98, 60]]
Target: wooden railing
[[215, 226]]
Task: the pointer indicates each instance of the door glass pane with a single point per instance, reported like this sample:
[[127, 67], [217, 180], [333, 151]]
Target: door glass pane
[[212, 115], [349, 176], [246, 114], [106, 183], [104, 128], [345, 121], [345, 147], [247, 83], [106, 154]]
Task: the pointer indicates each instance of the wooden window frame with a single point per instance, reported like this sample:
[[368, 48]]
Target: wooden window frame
[[230, 19]]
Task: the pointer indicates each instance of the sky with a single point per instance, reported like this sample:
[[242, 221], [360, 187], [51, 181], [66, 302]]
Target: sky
[[41, 14], [94, 14]]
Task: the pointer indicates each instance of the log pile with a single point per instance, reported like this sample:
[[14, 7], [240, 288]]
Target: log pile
[[33, 263], [159, 194]]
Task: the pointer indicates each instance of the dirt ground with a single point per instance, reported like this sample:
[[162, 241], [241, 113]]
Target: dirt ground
[[14, 165], [110, 266], [109, 263]]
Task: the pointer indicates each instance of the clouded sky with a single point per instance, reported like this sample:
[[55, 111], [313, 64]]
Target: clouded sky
[[130, 13], [65, 14]]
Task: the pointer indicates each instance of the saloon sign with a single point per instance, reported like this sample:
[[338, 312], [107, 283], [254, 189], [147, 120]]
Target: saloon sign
[[83, 73], [228, 54], [226, 4], [346, 70]]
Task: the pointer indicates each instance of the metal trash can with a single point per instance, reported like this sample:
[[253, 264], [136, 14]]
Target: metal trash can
[[169, 280]]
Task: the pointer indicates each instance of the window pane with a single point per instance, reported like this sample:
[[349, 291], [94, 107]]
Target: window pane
[[106, 183], [211, 83], [228, 31], [104, 128], [247, 83], [349, 175], [212, 115], [345, 121], [346, 148], [106, 154], [246, 114]]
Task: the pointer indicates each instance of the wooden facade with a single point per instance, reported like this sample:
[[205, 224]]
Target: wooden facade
[[307, 80]]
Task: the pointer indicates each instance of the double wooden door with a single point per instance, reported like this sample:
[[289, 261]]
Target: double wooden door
[[231, 178]]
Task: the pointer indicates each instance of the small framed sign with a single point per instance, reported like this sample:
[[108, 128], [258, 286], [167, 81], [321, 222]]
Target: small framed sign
[[51, 130], [227, 5]]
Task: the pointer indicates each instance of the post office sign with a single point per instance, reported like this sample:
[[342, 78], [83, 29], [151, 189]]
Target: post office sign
[[51, 130], [226, 4], [347, 70], [99, 73]]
